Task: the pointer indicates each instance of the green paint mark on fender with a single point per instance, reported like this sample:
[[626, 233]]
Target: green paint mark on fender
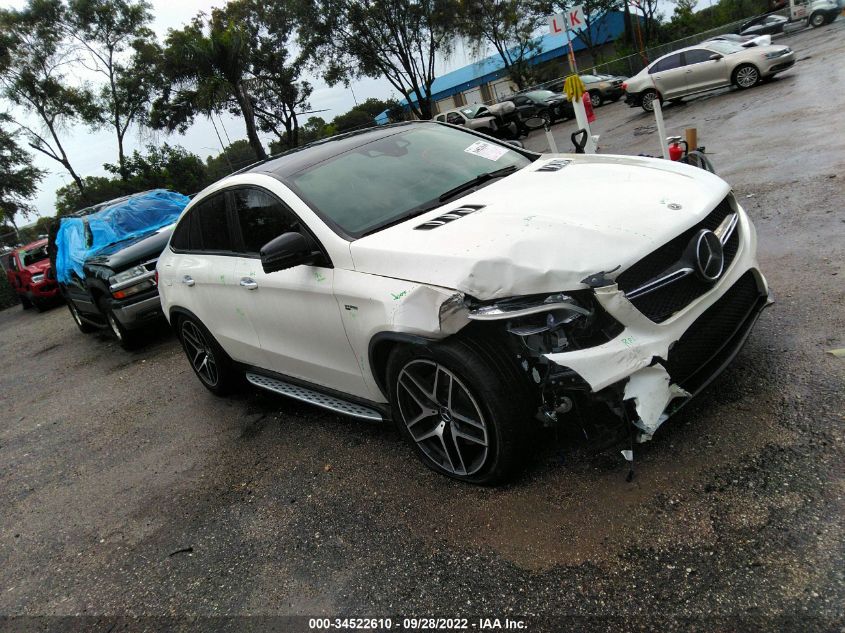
[[399, 296], [319, 276]]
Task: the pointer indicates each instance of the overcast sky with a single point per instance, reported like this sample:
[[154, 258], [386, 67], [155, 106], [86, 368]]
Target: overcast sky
[[88, 150]]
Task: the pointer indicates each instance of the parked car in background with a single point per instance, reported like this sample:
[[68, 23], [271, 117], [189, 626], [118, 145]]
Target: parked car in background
[[703, 67], [601, 87], [818, 12], [764, 25], [746, 41], [474, 117], [105, 262], [456, 294], [31, 276], [545, 104]]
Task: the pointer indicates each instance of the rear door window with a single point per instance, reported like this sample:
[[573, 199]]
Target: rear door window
[[213, 229], [667, 63]]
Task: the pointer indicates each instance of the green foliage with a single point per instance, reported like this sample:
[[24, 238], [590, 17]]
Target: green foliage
[[33, 66], [18, 177], [234, 157], [395, 39], [8, 297], [364, 114], [510, 27], [164, 167], [236, 60], [120, 47]]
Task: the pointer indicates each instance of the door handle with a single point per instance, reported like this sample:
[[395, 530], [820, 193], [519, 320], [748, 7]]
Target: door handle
[[188, 280], [248, 283]]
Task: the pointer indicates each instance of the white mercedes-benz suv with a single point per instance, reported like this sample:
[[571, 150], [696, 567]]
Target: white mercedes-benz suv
[[466, 288]]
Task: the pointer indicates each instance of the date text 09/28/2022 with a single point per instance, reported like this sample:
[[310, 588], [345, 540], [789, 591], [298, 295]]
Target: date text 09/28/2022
[[417, 624]]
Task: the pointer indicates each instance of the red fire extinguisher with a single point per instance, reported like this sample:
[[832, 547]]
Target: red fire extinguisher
[[676, 152]]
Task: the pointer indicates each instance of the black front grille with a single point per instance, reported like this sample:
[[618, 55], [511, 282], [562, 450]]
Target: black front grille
[[662, 303], [715, 336]]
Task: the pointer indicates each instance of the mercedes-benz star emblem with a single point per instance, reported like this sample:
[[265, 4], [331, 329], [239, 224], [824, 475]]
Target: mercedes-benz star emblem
[[709, 256]]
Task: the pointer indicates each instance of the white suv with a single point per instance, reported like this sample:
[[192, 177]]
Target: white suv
[[466, 288]]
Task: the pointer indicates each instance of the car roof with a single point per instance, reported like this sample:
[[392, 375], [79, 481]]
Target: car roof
[[31, 245], [300, 158]]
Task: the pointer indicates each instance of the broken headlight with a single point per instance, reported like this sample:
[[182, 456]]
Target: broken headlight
[[552, 323]]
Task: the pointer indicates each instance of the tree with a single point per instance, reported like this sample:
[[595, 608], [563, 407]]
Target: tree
[[34, 56], [208, 68], [684, 21], [510, 27], [595, 32], [164, 167], [364, 114], [395, 39], [237, 61], [280, 95], [18, 177], [234, 157], [122, 48]]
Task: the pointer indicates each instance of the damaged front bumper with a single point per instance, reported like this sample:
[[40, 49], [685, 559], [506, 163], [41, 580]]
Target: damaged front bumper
[[651, 369]]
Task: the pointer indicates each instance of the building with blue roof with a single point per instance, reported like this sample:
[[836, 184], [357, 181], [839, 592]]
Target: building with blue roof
[[487, 81]]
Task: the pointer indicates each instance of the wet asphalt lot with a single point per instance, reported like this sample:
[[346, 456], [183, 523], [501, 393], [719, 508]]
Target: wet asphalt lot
[[127, 491]]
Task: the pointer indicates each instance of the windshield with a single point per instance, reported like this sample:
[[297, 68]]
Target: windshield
[[725, 48], [382, 181], [33, 256]]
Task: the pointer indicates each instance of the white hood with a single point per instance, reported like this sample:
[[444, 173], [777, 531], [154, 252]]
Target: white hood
[[546, 231]]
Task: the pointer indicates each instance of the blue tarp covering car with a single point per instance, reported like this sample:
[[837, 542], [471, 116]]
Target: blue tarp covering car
[[80, 238]]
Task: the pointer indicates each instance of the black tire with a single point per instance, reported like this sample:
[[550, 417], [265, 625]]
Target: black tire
[[647, 98], [40, 304], [596, 98], [817, 19], [545, 113], [26, 304], [127, 339], [85, 328], [486, 388], [746, 76], [196, 341]]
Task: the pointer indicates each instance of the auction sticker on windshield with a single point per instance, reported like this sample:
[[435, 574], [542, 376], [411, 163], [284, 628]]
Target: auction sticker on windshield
[[487, 150]]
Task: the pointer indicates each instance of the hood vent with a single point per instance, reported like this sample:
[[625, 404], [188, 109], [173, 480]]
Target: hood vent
[[555, 165], [454, 214]]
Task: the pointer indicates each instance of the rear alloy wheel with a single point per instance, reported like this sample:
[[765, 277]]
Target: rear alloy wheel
[[208, 360], [596, 99], [85, 328], [461, 409], [746, 76], [817, 20], [647, 100]]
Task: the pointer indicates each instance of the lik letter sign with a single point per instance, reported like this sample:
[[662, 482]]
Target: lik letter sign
[[572, 20]]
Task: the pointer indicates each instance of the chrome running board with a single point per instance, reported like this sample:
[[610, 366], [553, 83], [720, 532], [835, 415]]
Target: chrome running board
[[332, 403]]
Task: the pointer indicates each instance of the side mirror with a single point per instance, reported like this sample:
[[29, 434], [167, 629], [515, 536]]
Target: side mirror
[[286, 251], [715, 57]]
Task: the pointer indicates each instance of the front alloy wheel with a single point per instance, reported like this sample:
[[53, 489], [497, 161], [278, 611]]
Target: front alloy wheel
[[464, 406], [747, 76], [442, 417]]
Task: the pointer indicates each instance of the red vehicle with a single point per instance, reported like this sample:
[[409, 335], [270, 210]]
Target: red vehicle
[[31, 276]]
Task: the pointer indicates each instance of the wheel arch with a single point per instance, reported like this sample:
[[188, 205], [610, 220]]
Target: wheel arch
[[380, 347]]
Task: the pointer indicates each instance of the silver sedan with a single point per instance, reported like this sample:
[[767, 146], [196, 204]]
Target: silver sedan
[[707, 66]]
